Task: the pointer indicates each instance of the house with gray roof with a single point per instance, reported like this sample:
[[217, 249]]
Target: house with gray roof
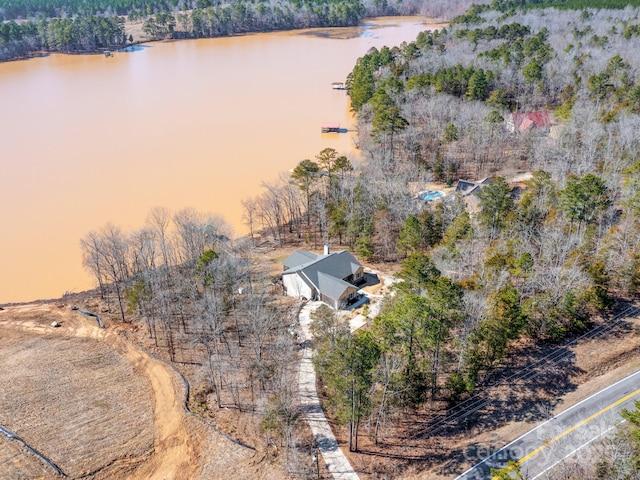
[[330, 277], [470, 192]]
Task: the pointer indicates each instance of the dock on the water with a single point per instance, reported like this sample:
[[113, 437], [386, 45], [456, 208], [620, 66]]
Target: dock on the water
[[330, 127], [338, 86]]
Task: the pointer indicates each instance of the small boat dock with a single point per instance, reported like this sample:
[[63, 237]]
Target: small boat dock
[[338, 86], [329, 127]]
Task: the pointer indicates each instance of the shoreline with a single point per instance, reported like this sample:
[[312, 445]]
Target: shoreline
[[134, 27], [72, 277]]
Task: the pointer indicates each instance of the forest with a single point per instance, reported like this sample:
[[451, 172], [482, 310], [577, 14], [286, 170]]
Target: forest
[[67, 26], [203, 303], [78, 27], [542, 259], [547, 249]]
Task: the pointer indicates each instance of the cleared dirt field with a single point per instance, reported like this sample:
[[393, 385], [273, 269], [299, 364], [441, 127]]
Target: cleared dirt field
[[75, 400], [17, 462], [99, 407]]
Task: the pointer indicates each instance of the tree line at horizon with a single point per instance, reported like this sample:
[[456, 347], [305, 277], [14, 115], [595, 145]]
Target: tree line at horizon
[[91, 32], [136, 9], [65, 35], [69, 27]]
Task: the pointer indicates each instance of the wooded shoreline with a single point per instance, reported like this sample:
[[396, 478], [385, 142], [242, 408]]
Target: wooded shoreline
[[134, 27], [92, 31]]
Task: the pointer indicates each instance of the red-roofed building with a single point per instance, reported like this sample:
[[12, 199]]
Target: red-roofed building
[[523, 121]]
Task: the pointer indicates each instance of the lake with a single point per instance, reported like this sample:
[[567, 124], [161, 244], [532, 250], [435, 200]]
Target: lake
[[88, 139]]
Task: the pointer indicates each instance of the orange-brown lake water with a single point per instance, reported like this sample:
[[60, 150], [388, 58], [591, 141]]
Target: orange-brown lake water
[[86, 139]]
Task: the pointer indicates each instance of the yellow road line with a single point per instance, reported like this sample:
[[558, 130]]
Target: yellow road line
[[569, 430]]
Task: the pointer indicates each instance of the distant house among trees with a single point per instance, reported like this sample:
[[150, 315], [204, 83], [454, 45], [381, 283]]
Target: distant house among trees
[[330, 278], [470, 193], [523, 121], [476, 195]]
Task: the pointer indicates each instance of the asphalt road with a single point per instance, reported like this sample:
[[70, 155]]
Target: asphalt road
[[564, 435]]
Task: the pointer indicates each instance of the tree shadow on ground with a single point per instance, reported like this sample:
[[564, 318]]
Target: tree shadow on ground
[[526, 388], [501, 398], [513, 393], [326, 444]]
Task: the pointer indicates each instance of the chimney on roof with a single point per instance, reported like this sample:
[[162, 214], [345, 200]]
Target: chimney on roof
[[326, 249]]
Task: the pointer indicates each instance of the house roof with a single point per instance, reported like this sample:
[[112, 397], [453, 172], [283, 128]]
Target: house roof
[[470, 193], [526, 123], [332, 287], [472, 203], [339, 264], [525, 120], [326, 272], [298, 258], [467, 187]]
